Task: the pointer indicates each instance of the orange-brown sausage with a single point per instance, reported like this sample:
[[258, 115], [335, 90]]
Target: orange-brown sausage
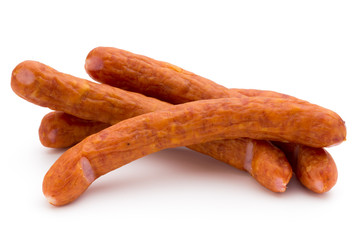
[[266, 163], [133, 72], [44, 86], [179, 125], [47, 87], [314, 167], [164, 81], [62, 130], [161, 80]]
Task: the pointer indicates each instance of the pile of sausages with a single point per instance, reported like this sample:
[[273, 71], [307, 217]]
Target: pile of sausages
[[140, 106]]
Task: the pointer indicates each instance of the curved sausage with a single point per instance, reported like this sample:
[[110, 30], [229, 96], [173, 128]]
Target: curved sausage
[[266, 163], [179, 125]]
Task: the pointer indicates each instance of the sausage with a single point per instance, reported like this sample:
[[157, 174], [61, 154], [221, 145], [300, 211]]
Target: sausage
[[314, 167], [180, 125], [44, 86], [175, 84], [317, 166], [266, 163], [62, 130], [161, 80], [47, 87]]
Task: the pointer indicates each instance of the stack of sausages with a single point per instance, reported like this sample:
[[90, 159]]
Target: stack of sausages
[[140, 106]]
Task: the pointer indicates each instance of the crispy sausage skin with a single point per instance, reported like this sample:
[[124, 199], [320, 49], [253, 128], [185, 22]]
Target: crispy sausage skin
[[141, 74], [47, 87], [180, 125]]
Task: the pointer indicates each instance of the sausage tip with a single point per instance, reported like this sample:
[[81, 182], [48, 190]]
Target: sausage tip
[[68, 178], [22, 77], [93, 64], [281, 184], [51, 200]]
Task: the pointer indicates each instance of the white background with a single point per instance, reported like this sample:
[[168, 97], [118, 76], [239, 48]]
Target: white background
[[309, 49]]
